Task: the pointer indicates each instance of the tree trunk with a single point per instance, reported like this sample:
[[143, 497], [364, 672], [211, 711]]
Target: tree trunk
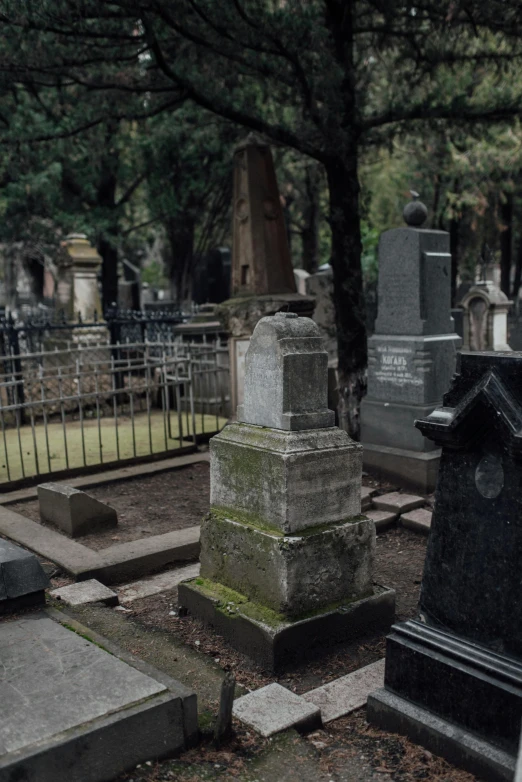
[[506, 243], [109, 253], [181, 240], [518, 274], [348, 295], [311, 213], [454, 229]]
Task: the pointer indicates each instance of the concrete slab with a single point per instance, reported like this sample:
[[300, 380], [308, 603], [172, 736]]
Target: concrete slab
[[348, 693], [70, 709], [273, 708], [382, 518], [161, 582], [116, 563], [84, 592], [366, 497], [397, 502], [418, 520]]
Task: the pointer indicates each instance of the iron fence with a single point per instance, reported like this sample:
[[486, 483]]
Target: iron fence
[[87, 403]]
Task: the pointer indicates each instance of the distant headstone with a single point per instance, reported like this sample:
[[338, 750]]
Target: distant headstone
[[74, 511], [22, 578], [286, 556], [77, 289], [320, 286], [412, 353], [454, 676], [485, 314], [301, 276]]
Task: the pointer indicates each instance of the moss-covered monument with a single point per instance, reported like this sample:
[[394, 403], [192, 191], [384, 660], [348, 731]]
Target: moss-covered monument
[[286, 556]]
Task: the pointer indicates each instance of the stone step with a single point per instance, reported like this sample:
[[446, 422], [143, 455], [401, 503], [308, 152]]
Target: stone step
[[85, 592], [382, 518], [418, 520], [367, 493], [397, 502], [348, 693], [161, 582], [273, 708]]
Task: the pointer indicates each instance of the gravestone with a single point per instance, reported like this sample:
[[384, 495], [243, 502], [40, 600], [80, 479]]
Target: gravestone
[[262, 278], [77, 289], [74, 511], [22, 579], [453, 677], [286, 555], [411, 356], [485, 310]]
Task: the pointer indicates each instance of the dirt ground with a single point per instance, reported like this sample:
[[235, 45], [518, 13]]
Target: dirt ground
[[146, 506]]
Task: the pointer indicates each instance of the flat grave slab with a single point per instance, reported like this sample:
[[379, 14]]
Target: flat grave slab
[[70, 709], [418, 520], [381, 518], [348, 693], [84, 592], [397, 502], [273, 708]]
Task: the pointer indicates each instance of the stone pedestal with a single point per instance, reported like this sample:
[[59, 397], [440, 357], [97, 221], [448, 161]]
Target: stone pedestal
[[485, 310], [286, 555], [453, 678], [411, 356]]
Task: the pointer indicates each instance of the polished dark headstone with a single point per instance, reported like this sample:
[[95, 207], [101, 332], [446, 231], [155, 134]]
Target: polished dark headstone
[[461, 663], [22, 578]]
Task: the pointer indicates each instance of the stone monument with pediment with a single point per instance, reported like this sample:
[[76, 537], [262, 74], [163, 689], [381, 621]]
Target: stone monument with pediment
[[412, 355], [286, 555], [453, 679], [263, 280]]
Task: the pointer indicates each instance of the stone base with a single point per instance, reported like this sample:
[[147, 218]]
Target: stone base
[[457, 697], [271, 640], [392, 424], [411, 469], [14, 604], [463, 749]]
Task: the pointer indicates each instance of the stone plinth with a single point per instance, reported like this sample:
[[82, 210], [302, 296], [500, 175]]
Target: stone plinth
[[285, 550], [454, 679], [411, 357], [78, 267]]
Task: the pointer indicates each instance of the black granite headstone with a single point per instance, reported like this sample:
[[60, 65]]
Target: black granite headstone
[[454, 678]]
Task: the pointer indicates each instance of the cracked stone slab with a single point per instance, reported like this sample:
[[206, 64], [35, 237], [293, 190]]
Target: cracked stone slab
[[366, 497], [161, 582], [381, 518], [418, 520], [397, 502], [348, 693], [85, 592], [273, 708]]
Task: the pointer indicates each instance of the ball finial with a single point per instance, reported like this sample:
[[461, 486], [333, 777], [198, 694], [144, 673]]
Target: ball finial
[[415, 212]]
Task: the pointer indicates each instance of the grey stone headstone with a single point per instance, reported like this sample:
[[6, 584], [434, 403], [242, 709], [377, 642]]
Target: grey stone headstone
[[286, 380], [74, 511], [20, 574]]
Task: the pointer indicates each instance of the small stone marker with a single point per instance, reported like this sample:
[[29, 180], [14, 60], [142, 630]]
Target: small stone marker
[[418, 520], [85, 592], [454, 675], [22, 579], [396, 502], [74, 511], [382, 518], [348, 693], [273, 708]]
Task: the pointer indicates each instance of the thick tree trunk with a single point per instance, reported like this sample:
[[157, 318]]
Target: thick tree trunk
[[181, 240], [311, 213], [350, 311], [506, 243], [518, 273], [454, 231], [109, 253]]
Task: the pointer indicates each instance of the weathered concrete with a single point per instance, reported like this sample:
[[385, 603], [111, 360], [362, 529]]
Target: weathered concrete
[[367, 493], [285, 480], [71, 710], [74, 511], [84, 592], [382, 518], [350, 692], [291, 574], [274, 642], [273, 708], [413, 469], [153, 585], [397, 502], [22, 578], [286, 375], [418, 520]]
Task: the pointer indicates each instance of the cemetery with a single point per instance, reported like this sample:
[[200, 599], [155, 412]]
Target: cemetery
[[260, 399]]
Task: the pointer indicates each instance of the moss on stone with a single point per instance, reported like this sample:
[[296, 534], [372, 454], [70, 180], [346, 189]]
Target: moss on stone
[[247, 518]]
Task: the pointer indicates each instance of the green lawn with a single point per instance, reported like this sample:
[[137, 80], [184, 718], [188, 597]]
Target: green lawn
[[49, 453]]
